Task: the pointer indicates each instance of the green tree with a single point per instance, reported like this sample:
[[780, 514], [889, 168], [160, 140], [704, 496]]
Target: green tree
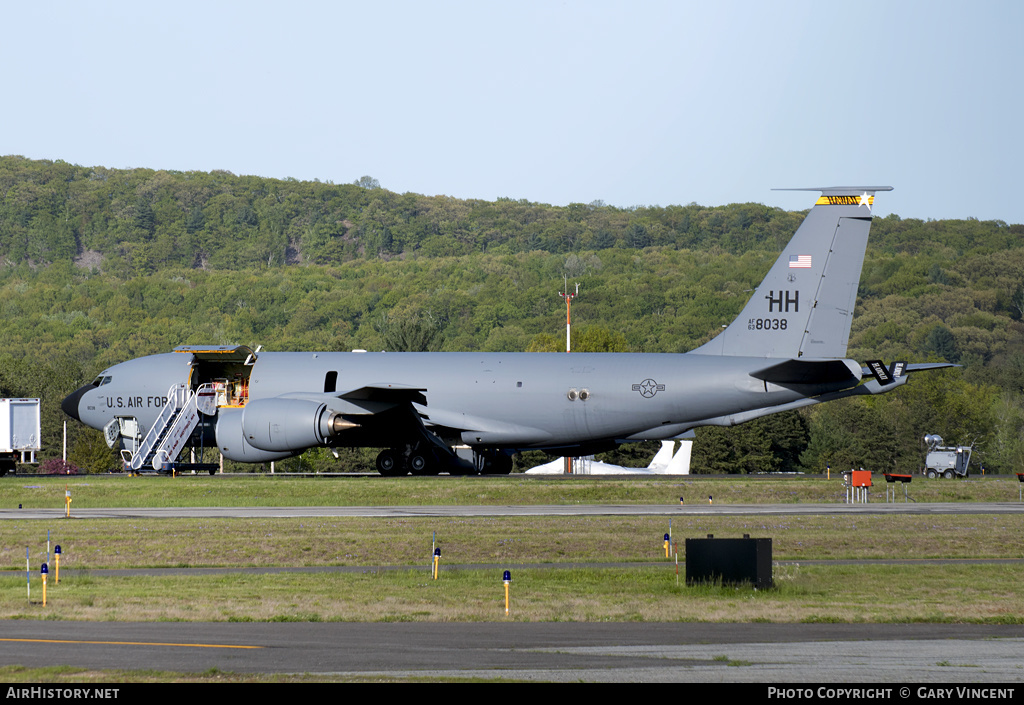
[[941, 341], [367, 182], [413, 333]]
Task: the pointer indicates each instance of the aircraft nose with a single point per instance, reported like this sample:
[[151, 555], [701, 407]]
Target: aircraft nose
[[70, 404]]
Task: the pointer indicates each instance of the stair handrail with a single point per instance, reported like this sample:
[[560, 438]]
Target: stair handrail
[[177, 434], [177, 395]]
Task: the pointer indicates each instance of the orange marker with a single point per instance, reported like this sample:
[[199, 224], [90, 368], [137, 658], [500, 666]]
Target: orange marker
[[507, 578]]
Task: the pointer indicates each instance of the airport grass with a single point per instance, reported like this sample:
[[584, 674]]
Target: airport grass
[[564, 569], [985, 594], [91, 544], [118, 491]]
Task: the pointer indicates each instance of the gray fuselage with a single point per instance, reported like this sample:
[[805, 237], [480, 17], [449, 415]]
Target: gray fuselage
[[508, 400]]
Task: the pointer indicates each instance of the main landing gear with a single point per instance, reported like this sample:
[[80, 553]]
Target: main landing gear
[[393, 462]]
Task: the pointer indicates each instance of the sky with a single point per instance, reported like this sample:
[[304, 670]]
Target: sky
[[632, 103]]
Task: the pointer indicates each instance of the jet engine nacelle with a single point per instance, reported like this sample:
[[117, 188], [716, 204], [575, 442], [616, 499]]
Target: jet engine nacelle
[[291, 425], [232, 444]]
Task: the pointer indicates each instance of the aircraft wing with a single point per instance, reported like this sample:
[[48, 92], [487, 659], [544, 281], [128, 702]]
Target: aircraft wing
[[479, 429], [297, 420], [366, 400], [377, 398], [387, 393]]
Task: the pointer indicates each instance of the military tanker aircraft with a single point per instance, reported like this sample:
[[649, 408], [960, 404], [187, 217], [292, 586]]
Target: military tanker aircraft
[[467, 412]]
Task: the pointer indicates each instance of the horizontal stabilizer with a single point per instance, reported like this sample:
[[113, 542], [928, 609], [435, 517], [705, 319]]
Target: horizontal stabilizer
[[882, 374], [926, 366], [806, 372], [898, 369]]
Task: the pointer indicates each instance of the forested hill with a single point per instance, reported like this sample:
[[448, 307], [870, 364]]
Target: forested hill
[[98, 265], [141, 220]]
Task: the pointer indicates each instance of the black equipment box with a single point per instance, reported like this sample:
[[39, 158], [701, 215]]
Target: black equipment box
[[731, 561]]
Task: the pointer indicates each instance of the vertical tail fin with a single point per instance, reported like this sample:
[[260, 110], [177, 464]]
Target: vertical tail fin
[[663, 457], [680, 464], [804, 307]]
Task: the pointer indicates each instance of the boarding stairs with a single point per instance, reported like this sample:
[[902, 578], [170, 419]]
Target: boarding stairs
[[173, 427]]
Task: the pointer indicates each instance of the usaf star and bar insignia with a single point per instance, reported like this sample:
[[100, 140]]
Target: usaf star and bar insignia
[[648, 388]]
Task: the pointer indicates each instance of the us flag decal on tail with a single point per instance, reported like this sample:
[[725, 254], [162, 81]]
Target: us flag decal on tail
[[799, 261]]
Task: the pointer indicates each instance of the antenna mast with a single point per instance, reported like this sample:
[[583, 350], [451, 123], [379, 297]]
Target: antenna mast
[[568, 306]]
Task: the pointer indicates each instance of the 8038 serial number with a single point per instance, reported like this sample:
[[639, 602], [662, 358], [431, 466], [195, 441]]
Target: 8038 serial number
[[766, 324]]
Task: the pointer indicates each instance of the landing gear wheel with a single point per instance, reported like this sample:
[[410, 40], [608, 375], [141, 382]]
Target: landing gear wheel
[[418, 464], [387, 463]]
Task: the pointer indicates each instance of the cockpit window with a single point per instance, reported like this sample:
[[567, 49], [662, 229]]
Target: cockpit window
[[101, 380]]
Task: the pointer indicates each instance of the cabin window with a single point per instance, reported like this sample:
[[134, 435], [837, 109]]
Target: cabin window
[[331, 382]]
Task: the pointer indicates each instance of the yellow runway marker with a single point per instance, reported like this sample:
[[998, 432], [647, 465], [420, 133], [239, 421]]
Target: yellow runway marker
[[134, 643]]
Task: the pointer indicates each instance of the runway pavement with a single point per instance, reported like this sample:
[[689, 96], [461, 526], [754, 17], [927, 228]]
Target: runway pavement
[[902, 654], [522, 510]]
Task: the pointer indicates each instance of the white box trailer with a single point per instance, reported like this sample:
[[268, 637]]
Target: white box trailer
[[20, 433]]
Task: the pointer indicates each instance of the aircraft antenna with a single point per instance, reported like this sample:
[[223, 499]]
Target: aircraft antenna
[[568, 308]]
